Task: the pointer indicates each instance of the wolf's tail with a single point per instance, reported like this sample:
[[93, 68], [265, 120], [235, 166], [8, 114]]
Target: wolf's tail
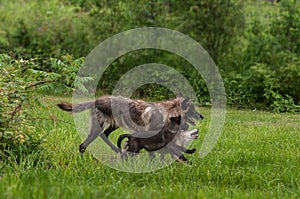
[[121, 137], [75, 107]]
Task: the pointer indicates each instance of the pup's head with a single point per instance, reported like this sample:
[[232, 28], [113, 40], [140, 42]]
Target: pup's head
[[188, 136], [189, 111]]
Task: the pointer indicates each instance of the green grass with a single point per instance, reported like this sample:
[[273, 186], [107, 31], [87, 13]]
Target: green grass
[[257, 156]]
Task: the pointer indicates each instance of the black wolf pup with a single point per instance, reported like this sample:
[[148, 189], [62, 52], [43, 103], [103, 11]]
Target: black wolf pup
[[168, 140]]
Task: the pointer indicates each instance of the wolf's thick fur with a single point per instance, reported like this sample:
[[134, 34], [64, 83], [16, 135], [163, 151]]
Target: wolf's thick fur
[[112, 112]]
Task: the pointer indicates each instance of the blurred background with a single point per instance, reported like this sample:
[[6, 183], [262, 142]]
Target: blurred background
[[255, 44]]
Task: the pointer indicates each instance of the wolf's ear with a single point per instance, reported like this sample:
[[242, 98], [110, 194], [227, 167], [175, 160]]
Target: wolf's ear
[[184, 103]]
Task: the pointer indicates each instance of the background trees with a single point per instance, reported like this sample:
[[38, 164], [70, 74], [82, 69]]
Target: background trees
[[255, 44]]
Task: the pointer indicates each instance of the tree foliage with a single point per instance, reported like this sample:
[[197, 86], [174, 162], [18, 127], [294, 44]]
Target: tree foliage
[[255, 44]]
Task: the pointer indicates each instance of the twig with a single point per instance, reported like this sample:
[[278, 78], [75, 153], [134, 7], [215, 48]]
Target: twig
[[16, 110]]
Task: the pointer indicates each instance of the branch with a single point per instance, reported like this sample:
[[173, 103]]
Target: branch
[[16, 110], [38, 83], [19, 106]]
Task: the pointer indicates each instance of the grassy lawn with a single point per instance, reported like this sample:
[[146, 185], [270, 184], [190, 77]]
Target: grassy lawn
[[257, 156]]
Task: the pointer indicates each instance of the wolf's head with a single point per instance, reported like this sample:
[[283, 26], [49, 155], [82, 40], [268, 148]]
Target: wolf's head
[[189, 112]]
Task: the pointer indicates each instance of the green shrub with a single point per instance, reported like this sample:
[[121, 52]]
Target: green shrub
[[56, 76], [262, 87], [22, 84], [266, 74], [15, 129]]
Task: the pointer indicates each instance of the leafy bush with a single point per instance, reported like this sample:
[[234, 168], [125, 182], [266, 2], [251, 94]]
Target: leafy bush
[[15, 128], [263, 88], [266, 74], [22, 84], [56, 75]]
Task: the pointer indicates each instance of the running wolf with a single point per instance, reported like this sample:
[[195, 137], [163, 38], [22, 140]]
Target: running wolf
[[108, 113]]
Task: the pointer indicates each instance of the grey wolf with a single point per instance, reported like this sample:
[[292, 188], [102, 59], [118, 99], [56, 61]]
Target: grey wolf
[[108, 113]]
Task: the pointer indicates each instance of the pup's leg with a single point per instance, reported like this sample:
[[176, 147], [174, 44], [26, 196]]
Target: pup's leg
[[182, 158], [176, 153], [185, 150], [190, 151], [179, 157]]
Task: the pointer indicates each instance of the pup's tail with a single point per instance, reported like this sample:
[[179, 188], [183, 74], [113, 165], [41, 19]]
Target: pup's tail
[[121, 137], [75, 107]]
